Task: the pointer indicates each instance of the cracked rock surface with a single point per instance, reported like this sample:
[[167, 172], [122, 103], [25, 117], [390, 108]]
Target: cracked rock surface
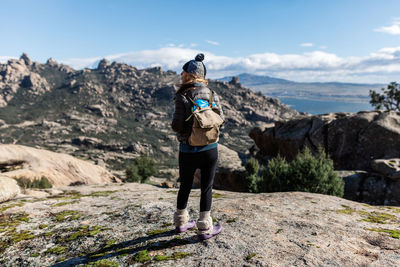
[[130, 225]]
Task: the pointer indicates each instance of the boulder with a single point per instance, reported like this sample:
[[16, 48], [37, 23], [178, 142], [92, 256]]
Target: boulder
[[9, 188], [99, 110], [387, 167], [11, 75], [91, 142], [26, 59], [235, 80], [35, 84], [371, 188], [230, 172], [60, 169], [353, 182], [103, 64], [392, 196]]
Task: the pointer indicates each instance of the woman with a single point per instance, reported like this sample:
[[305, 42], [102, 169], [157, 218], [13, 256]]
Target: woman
[[194, 87]]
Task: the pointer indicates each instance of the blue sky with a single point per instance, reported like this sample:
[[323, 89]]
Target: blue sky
[[303, 40]]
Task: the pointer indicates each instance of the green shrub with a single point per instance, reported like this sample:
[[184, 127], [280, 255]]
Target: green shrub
[[37, 183], [23, 182], [132, 174], [44, 183], [253, 183], [276, 178], [252, 178], [306, 173], [141, 169], [314, 174], [252, 166]]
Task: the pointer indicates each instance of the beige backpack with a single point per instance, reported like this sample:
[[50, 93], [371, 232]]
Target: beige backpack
[[206, 123]]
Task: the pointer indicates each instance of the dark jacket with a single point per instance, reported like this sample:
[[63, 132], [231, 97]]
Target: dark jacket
[[183, 109]]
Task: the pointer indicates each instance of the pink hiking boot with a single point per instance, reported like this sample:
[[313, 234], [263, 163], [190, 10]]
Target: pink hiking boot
[[215, 231], [205, 228], [189, 225], [181, 221]]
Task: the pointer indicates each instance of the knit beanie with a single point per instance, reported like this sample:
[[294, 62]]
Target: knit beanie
[[196, 66]]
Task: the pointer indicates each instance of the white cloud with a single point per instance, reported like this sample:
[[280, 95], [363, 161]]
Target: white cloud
[[394, 29], [81, 63], [212, 42], [379, 67], [323, 47], [307, 45], [4, 59]]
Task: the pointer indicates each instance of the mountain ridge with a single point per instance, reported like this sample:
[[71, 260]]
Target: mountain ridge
[[245, 78], [115, 112], [277, 87]]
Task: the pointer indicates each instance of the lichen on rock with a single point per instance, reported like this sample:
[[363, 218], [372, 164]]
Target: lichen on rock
[[290, 228]]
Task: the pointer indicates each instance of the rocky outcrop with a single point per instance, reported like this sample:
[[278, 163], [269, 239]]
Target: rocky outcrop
[[18, 161], [90, 142], [230, 173], [103, 64], [371, 188], [114, 112], [235, 80], [26, 59], [351, 140], [252, 107], [132, 226], [28, 76], [9, 188], [368, 142], [35, 84], [11, 76], [387, 167]]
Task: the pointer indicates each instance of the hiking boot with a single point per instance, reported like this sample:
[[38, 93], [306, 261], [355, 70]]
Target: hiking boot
[[189, 225], [181, 221], [215, 230], [205, 228]]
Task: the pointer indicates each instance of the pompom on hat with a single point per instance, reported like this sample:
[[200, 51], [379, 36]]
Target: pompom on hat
[[196, 66]]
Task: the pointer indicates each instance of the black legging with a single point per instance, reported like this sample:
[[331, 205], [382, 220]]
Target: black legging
[[206, 161]]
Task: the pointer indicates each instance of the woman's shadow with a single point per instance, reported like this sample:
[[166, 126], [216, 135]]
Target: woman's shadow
[[129, 248]]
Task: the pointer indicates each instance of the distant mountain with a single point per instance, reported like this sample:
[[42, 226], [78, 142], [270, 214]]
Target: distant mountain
[[252, 80], [114, 112], [314, 90]]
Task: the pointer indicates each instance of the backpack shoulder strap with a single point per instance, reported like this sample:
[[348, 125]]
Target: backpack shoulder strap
[[194, 103], [211, 98], [191, 100]]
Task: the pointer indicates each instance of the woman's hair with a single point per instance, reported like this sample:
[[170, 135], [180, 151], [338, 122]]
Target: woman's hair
[[188, 79]]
